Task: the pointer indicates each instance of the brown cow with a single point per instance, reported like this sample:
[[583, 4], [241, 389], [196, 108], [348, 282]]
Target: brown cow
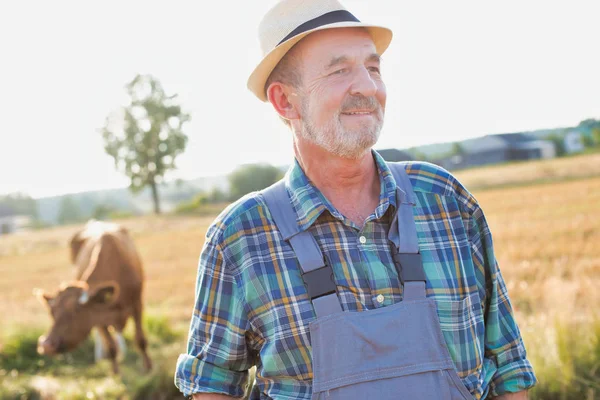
[[107, 292]]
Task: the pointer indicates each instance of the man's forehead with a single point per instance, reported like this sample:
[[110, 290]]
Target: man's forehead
[[336, 60], [333, 46]]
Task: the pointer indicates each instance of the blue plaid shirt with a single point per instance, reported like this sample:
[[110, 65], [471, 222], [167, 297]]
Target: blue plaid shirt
[[252, 307]]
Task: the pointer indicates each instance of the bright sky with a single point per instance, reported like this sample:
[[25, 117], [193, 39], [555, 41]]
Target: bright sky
[[454, 70]]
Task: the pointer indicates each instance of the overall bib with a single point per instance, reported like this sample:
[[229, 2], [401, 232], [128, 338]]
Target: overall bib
[[394, 352]]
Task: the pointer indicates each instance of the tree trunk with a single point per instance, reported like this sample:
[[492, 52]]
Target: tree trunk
[[155, 197]]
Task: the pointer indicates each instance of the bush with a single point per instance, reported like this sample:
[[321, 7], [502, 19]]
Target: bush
[[191, 206], [202, 205], [252, 177]]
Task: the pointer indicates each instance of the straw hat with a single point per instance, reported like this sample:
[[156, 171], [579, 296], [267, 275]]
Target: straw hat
[[290, 20]]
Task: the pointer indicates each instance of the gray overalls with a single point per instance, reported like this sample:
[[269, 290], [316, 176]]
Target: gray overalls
[[394, 352]]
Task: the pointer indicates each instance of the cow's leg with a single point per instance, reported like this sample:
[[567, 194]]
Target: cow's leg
[[121, 345], [98, 346], [119, 326], [112, 347], [140, 337]]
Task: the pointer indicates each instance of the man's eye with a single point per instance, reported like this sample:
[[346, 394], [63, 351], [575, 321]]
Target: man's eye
[[339, 71], [375, 69]]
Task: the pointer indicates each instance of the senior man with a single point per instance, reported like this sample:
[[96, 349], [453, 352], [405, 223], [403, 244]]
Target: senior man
[[351, 278]]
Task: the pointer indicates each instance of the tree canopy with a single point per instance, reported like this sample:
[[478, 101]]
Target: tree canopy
[[145, 137], [252, 177]]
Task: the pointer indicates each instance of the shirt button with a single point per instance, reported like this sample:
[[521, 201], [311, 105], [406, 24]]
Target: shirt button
[[380, 298], [362, 239]]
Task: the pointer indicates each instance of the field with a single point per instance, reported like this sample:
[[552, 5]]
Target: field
[[545, 218]]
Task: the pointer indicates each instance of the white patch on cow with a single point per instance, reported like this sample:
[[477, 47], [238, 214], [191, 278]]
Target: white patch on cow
[[99, 351], [121, 345], [84, 297]]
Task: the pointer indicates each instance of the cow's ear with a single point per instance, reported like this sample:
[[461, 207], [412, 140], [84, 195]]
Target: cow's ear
[[104, 294], [44, 298]]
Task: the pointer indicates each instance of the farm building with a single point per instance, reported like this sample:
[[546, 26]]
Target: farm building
[[495, 149], [8, 220], [11, 222], [527, 147], [573, 142], [395, 155]]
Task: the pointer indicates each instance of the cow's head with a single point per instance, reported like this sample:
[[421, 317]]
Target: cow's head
[[75, 309]]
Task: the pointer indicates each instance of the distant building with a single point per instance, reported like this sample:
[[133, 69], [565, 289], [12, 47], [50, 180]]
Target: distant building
[[394, 155], [573, 142], [11, 222], [495, 149], [8, 220], [527, 147]]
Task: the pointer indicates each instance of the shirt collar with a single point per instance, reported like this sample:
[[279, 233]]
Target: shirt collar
[[309, 203]]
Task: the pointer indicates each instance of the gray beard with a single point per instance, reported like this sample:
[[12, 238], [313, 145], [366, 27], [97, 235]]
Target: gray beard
[[332, 137]]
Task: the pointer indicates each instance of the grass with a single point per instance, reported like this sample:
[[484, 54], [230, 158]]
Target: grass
[[25, 374], [547, 241], [569, 368]]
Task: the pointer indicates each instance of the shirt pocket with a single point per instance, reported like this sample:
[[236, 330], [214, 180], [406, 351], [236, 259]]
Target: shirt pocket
[[463, 329]]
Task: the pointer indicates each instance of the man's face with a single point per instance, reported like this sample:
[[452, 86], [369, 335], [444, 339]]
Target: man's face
[[342, 98]]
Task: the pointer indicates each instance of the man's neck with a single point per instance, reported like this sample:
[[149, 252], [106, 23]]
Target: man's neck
[[351, 185]]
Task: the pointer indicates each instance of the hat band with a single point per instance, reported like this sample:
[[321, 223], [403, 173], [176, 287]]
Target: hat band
[[325, 19]]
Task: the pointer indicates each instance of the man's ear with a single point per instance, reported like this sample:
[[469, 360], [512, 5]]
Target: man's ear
[[284, 100], [104, 294]]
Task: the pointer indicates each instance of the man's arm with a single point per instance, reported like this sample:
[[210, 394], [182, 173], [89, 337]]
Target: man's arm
[[504, 346], [217, 359]]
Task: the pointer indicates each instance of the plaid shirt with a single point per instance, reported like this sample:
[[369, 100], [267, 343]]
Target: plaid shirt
[[252, 307]]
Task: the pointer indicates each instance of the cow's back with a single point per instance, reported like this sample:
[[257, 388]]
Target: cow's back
[[106, 252]]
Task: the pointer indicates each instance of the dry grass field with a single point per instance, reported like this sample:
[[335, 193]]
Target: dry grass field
[[545, 219], [532, 172], [169, 247]]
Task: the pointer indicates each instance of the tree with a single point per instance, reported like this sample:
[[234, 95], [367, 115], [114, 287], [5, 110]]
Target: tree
[[418, 154], [103, 212], [22, 204], [69, 212], [590, 130], [457, 149], [589, 124], [145, 137], [596, 136], [216, 195], [252, 177], [588, 140], [559, 144]]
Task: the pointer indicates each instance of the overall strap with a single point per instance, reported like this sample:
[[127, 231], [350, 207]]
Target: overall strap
[[316, 272], [403, 235]]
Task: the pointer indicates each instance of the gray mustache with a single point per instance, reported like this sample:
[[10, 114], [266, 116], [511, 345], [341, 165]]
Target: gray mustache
[[357, 102]]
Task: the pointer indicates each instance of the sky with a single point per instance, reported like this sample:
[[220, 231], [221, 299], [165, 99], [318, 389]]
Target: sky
[[454, 70]]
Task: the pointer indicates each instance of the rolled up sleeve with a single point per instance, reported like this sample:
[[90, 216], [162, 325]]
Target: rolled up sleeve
[[217, 358], [504, 348]]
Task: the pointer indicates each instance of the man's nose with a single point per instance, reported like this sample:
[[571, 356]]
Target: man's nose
[[363, 83]]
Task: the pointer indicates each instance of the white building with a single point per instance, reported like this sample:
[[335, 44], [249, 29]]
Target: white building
[[10, 222], [573, 142]]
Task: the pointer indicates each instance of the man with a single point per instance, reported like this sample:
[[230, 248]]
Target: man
[[351, 278]]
